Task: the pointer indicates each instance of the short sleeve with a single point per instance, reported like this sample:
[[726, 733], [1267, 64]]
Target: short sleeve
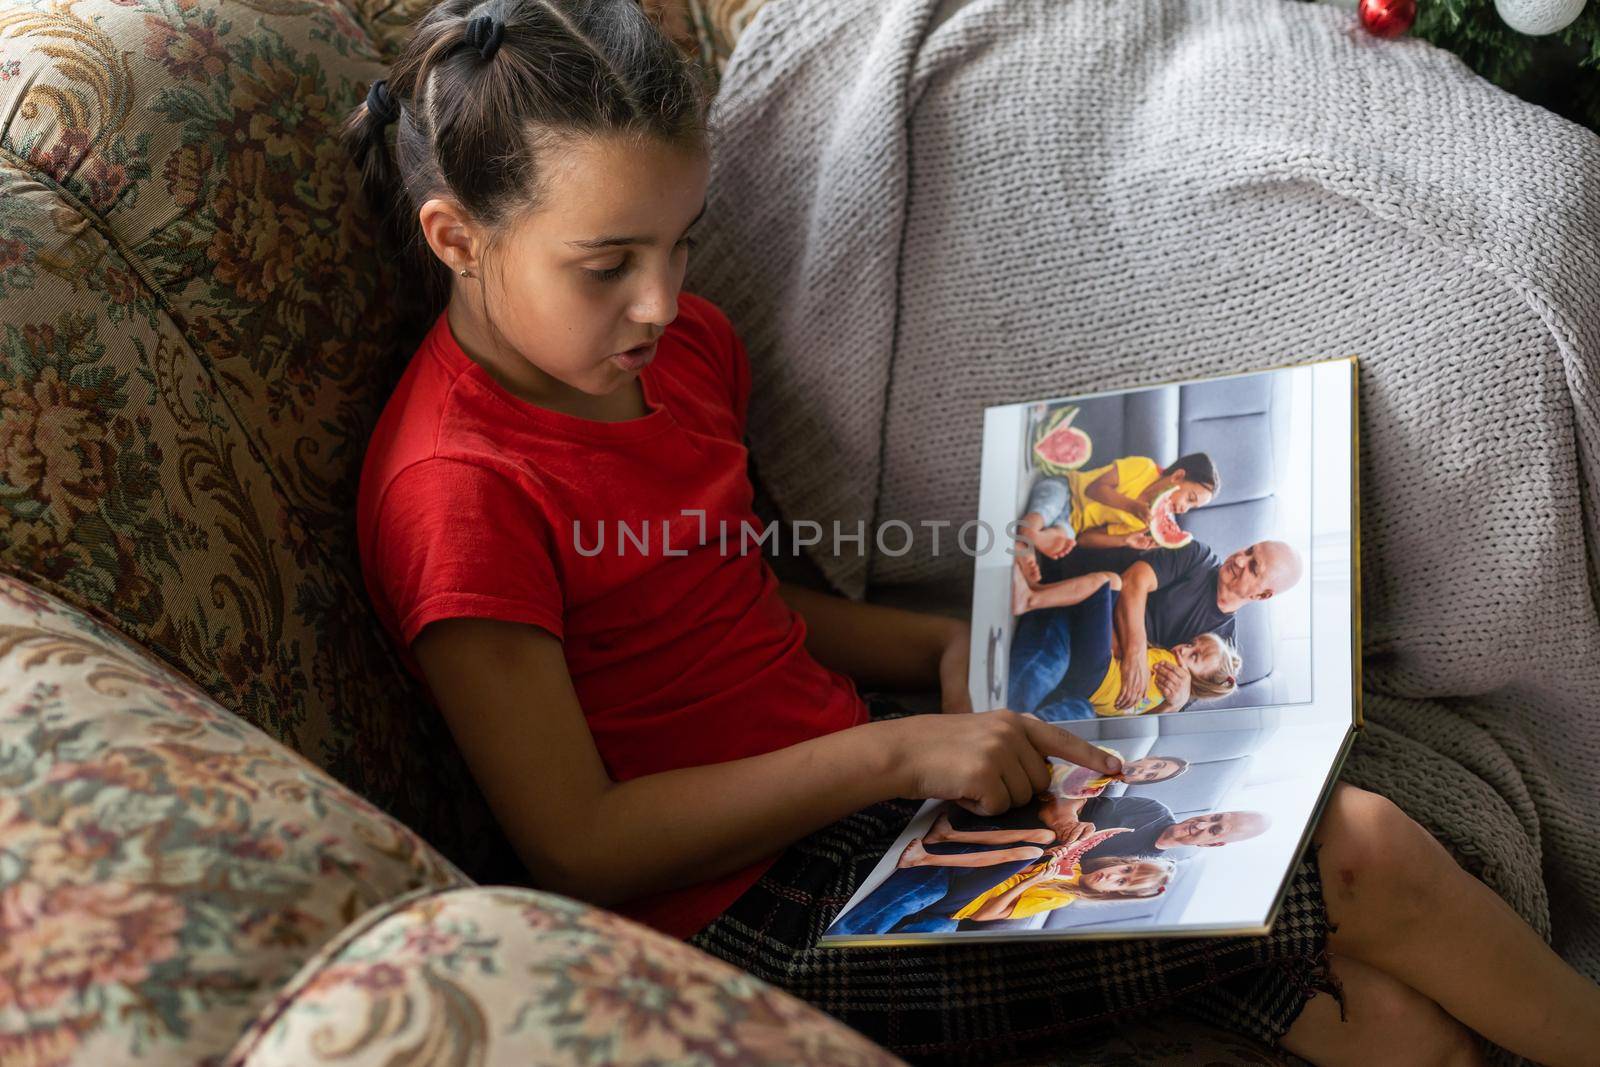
[[1173, 565], [457, 539], [736, 362], [1135, 474], [1041, 899], [1136, 813]]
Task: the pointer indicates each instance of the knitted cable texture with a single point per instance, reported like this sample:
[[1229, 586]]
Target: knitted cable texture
[[918, 210]]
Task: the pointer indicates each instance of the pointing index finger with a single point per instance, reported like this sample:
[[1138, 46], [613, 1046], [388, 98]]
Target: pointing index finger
[[1052, 740]]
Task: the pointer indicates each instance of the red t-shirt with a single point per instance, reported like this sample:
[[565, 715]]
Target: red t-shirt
[[681, 653]]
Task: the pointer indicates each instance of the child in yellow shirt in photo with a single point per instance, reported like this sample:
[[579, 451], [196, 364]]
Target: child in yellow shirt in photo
[[1061, 879], [1106, 507], [1213, 665]]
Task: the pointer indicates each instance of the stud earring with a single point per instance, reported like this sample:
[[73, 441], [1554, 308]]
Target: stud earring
[[465, 273]]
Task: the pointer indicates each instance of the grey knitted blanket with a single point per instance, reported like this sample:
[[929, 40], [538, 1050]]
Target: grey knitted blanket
[[914, 216]]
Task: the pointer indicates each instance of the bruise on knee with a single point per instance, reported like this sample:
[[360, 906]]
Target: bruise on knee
[[1377, 871], [1338, 878]]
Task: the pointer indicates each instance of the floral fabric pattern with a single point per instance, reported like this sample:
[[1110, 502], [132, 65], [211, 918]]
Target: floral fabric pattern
[[197, 339], [503, 976], [717, 25], [164, 867]]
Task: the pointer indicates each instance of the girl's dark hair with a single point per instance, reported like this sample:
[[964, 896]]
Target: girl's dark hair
[[1197, 468], [484, 90]]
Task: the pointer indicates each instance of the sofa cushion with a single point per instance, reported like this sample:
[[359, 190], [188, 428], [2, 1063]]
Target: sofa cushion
[[197, 343], [503, 977], [164, 866]]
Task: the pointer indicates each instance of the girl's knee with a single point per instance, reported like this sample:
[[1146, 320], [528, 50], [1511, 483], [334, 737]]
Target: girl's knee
[[1356, 831], [1379, 868]]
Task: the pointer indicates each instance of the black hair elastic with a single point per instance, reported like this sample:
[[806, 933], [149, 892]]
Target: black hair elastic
[[485, 32], [381, 103]]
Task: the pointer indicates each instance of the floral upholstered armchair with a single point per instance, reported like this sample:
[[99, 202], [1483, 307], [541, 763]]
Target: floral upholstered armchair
[[233, 830]]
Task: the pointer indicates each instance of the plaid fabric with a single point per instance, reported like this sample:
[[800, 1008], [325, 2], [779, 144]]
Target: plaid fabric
[[989, 1002]]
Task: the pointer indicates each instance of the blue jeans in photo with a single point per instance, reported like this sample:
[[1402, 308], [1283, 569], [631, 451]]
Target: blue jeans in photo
[[966, 884], [907, 891], [1059, 657]]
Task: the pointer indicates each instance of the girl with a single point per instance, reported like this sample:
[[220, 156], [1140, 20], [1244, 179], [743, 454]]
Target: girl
[[542, 163], [1061, 880], [1108, 507], [1212, 664], [1081, 783]]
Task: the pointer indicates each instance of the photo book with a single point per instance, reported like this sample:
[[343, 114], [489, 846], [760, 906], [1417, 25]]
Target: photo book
[[1173, 577]]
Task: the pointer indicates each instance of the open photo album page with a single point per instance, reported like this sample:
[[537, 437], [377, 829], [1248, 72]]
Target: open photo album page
[[1172, 576]]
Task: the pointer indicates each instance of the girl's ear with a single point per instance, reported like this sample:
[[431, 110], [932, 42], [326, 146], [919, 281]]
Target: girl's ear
[[451, 234]]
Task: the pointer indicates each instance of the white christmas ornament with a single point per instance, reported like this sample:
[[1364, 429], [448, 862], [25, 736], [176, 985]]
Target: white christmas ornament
[[1538, 17]]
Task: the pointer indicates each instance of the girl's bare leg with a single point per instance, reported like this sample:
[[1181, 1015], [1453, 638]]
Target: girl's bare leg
[[1403, 906], [943, 831], [914, 855], [1059, 594], [1385, 1021]]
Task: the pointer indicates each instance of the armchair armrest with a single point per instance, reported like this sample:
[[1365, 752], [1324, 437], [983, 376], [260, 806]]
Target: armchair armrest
[[503, 977], [165, 867]]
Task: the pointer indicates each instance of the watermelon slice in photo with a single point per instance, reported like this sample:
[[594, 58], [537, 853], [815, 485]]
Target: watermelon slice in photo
[[1164, 528], [1061, 447]]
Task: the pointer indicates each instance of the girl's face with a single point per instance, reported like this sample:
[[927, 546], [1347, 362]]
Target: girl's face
[[1201, 658], [1149, 769], [1134, 879], [1190, 495], [596, 271]]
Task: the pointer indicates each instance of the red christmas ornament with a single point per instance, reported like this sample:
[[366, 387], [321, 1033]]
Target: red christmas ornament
[[1387, 18]]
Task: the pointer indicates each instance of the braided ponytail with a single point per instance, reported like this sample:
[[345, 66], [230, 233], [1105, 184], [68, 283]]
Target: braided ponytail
[[364, 137], [484, 90]]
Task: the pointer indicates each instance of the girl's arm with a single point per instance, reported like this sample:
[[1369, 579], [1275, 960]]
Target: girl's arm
[[1138, 582], [880, 646], [1104, 490], [505, 693], [1000, 907], [1097, 537]]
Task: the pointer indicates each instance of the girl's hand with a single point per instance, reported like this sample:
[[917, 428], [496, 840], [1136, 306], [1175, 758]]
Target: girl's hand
[[1052, 866], [1174, 684], [987, 762], [1140, 509], [954, 699], [1141, 541]]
